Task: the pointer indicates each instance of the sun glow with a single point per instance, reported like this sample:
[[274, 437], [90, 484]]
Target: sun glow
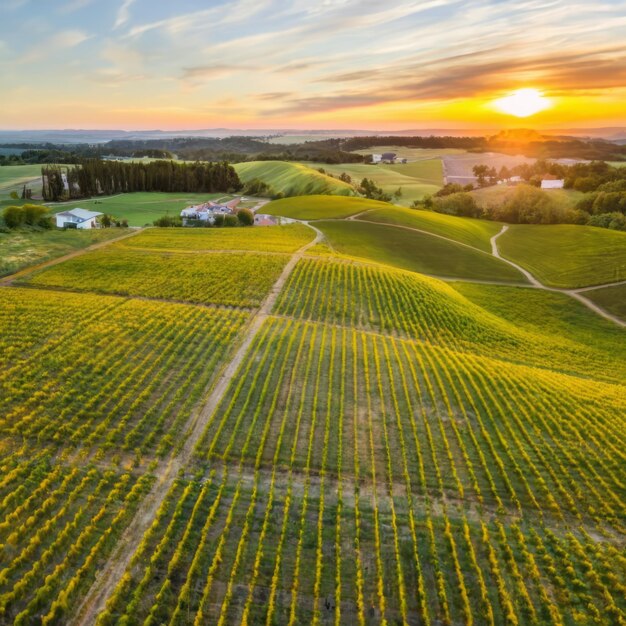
[[523, 103]]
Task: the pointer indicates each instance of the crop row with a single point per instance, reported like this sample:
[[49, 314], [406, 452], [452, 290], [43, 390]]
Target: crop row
[[58, 524], [286, 238], [508, 437], [123, 374], [207, 278], [406, 304]]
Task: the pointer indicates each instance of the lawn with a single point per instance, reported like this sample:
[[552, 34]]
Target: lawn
[[416, 179], [24, 248], [292, 179], [412, 154], [142, 207], [415, 251], [471, 232], [321, 207], [613, 299], [565, 255], [287, 238]]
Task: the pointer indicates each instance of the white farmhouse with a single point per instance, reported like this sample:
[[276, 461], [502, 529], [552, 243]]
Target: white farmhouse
[[77, 218], [552, 184], [377, 158]]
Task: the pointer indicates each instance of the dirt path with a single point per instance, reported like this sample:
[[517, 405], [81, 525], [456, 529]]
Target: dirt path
[[166, 472], [573, 293], [7, 280]]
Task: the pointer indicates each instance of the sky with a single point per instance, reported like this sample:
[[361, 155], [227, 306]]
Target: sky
[[310, 64]]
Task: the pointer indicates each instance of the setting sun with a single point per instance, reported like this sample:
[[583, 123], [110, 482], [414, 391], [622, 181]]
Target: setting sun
[[523, 103]]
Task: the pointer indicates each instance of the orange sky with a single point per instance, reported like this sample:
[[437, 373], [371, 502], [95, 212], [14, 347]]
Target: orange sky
[[136, 64]]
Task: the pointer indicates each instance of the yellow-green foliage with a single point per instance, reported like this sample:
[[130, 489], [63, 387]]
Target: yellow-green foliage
[[83, 369], [210, 278], [292, 179], [287, 238]]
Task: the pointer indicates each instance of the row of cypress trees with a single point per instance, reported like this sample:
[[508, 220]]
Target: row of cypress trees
[[94, 177]]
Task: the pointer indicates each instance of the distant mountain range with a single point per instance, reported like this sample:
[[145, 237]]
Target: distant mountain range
[[73, 136]]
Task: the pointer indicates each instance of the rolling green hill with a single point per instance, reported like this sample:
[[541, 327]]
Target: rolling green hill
[[292, 179], [565, 255], [497, 194], [469, 231], [415, 251], [613, 299], [416, 179], [321, 207]]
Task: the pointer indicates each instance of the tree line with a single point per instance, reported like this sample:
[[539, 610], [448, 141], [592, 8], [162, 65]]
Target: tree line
[[93, 177]]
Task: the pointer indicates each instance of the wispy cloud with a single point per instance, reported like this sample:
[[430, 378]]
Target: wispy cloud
[[123, 13]]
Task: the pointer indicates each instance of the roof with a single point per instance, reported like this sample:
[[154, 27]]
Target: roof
[[81, 214], [389, 155]]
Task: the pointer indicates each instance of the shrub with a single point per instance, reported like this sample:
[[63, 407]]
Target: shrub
[[245, 217], [461, 204], [230, 220]]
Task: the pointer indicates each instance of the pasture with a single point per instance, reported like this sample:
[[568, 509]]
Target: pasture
[[415, 251], [14, 176], [497, 194], [566, 255], [291, 179], [321, 207], [472, 232], [613, 299]]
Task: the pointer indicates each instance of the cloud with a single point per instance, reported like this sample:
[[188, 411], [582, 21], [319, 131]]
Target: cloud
[[215, 71], [74, 5], [60, 41], [123, 13]]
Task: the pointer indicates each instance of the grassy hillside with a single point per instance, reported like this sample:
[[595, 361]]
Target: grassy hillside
[[292, 179], [415, 251], [22, 249], [565, 255], [613, 299], [469, 231], [413, 154], [11, 176], [497, 194], [416, 179], [321, 207]]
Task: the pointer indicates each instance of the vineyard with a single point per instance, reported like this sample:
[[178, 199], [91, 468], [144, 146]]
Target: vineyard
[[188, 439], [239, 280]]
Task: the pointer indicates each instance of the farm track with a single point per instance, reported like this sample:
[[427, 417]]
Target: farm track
[[167, 472], [573, 293]]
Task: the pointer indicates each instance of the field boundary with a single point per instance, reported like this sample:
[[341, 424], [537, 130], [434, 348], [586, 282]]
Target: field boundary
[[95, 599]]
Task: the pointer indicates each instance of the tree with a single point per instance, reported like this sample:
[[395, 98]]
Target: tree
[[230, 220], [397, 194], [481, 172], [14, 195], [462, 204], [105, 220], [245, 217]]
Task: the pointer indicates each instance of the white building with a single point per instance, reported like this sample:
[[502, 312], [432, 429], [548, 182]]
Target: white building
[[77, 218], [377, 158], [552, 184], [206, 212]]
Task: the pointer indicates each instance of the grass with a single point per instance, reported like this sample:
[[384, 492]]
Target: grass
[[416, 179], [413, 154], [565, 255], [497, 194], [287, 238], [24, 248], [12, 176], [292, 179], [471, 232], [415, 251], [321, 207], [215, 278], [142, 207], [613, 299]]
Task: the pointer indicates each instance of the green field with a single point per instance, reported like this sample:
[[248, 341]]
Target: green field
[[613, 299], [24, 248], [14, 176], [414, 251], [471, 232], [565, 255], [413, 154], [292, 179], [142, 207], [370, 446], [416, 179], [321, 207], [497, 194]]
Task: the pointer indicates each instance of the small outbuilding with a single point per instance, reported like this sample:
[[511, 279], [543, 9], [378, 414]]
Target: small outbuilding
[[77, 218], [552, 184]]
